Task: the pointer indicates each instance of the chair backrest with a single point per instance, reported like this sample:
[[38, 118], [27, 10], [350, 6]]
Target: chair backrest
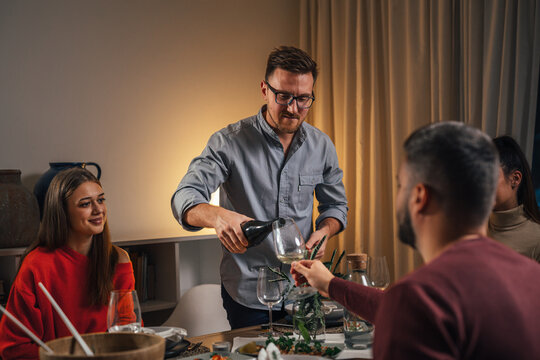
[[200, 311]]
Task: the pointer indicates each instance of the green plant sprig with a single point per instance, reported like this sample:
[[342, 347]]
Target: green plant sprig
[[287, 344], [310, 312], [338, 262], [282, 277], [316, 248]]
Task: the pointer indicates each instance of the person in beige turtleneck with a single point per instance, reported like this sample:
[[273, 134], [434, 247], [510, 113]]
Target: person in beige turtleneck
[[515, 219]]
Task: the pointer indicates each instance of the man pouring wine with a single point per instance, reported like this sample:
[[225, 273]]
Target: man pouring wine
[[266, 166]]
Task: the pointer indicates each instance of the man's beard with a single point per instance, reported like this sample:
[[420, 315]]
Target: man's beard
[[405, 230], [286, 129]]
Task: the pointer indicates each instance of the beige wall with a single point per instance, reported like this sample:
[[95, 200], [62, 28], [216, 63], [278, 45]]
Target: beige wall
[[136, 86]]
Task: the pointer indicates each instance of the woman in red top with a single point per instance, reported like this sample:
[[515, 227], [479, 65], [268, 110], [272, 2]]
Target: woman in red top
[[75, 260]]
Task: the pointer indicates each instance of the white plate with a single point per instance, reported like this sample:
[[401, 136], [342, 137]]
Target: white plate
[[165, 331], [298, 356]]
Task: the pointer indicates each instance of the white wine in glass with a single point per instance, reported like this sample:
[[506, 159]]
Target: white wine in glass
[[290, 246], [290, 258]]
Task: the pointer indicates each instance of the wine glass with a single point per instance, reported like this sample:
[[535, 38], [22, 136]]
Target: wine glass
[[269, 291], [290, 246], [378, 272], [124, 313]]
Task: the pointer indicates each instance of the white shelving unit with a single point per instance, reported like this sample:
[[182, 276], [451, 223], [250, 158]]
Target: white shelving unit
[[180, 263]]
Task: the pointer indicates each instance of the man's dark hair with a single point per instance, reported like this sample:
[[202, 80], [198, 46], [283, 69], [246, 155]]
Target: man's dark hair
[[291, 59], [460, 165], [512, 158]]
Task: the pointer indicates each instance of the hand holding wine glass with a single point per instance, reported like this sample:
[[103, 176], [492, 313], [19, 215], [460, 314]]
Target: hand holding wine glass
[[378, 272], [269, 291], [290, 247], [124, 313], [315, 273]]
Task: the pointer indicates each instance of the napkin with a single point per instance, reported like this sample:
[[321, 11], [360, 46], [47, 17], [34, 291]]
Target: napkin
[[330, 340]]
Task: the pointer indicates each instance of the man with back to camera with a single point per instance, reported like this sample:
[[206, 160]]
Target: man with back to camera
[[267, 165], [474, 298]]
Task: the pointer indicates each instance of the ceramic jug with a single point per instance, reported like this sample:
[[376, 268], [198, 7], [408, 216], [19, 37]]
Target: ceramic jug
[[42, 185]]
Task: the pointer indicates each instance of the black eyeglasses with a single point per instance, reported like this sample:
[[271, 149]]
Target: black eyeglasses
[[286, 99]]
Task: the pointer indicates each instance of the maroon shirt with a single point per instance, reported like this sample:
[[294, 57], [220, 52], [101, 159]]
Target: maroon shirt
[[477, 300]]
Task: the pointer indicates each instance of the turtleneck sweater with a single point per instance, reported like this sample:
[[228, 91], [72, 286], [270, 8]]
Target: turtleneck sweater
[[514, 229]]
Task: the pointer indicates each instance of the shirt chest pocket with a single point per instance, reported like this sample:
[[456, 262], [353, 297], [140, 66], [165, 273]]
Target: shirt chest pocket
[[304, 195], [308, 182]]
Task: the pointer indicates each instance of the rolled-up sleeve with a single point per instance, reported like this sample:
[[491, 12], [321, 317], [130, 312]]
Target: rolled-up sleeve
[[205, 174]]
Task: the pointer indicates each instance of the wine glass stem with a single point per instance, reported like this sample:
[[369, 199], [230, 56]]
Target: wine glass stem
[[271, 329]]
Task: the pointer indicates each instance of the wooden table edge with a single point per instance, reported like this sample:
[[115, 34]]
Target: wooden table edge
[[228, 335]]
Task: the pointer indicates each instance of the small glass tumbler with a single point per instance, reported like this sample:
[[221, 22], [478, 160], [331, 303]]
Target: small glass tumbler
[[222, 347]]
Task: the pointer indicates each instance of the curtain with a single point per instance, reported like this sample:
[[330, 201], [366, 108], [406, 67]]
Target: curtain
[[388, 67]]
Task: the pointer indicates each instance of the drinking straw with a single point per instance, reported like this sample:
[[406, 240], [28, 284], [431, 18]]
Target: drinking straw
[[68, 323], [25, 329]]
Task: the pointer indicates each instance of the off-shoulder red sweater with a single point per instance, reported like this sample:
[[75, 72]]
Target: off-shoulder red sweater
[[64, 273]]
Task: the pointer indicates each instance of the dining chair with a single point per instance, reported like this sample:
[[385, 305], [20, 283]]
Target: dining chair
[[200, 311]]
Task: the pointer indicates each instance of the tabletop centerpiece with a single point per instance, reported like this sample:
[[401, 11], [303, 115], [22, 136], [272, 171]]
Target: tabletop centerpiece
[[308, 310]]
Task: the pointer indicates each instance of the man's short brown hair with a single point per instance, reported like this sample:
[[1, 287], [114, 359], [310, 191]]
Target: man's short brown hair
[[290, 59]]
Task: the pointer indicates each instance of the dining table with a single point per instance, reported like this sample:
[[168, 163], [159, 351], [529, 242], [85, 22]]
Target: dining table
[[207, 340], [228, 335]]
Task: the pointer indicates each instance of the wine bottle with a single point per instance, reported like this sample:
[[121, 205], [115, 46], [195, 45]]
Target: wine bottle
[[257, 230]]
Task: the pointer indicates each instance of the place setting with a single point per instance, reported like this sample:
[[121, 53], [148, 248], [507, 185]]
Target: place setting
[[124, 315], [313, 327]]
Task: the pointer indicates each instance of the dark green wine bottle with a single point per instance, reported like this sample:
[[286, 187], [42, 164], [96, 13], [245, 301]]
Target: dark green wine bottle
[[256, 231]]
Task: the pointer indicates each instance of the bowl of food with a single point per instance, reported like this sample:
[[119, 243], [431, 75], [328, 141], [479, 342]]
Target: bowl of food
[[274, 351], [251, 348], [289, 347], [107, 346]]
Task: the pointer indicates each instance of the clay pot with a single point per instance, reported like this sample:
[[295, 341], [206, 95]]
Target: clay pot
[[19, 213], [108, 346]]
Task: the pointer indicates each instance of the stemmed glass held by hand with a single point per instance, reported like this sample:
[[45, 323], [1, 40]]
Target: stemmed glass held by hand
[[290, 247], [288, 241], [378, 272], [269, 291], [124, 312]]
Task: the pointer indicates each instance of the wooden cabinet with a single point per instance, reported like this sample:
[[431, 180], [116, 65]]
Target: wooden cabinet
[[178, 263]]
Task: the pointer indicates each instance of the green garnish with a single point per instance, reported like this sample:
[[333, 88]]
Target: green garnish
[[317, 247], [339, 261], [286, 345]]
